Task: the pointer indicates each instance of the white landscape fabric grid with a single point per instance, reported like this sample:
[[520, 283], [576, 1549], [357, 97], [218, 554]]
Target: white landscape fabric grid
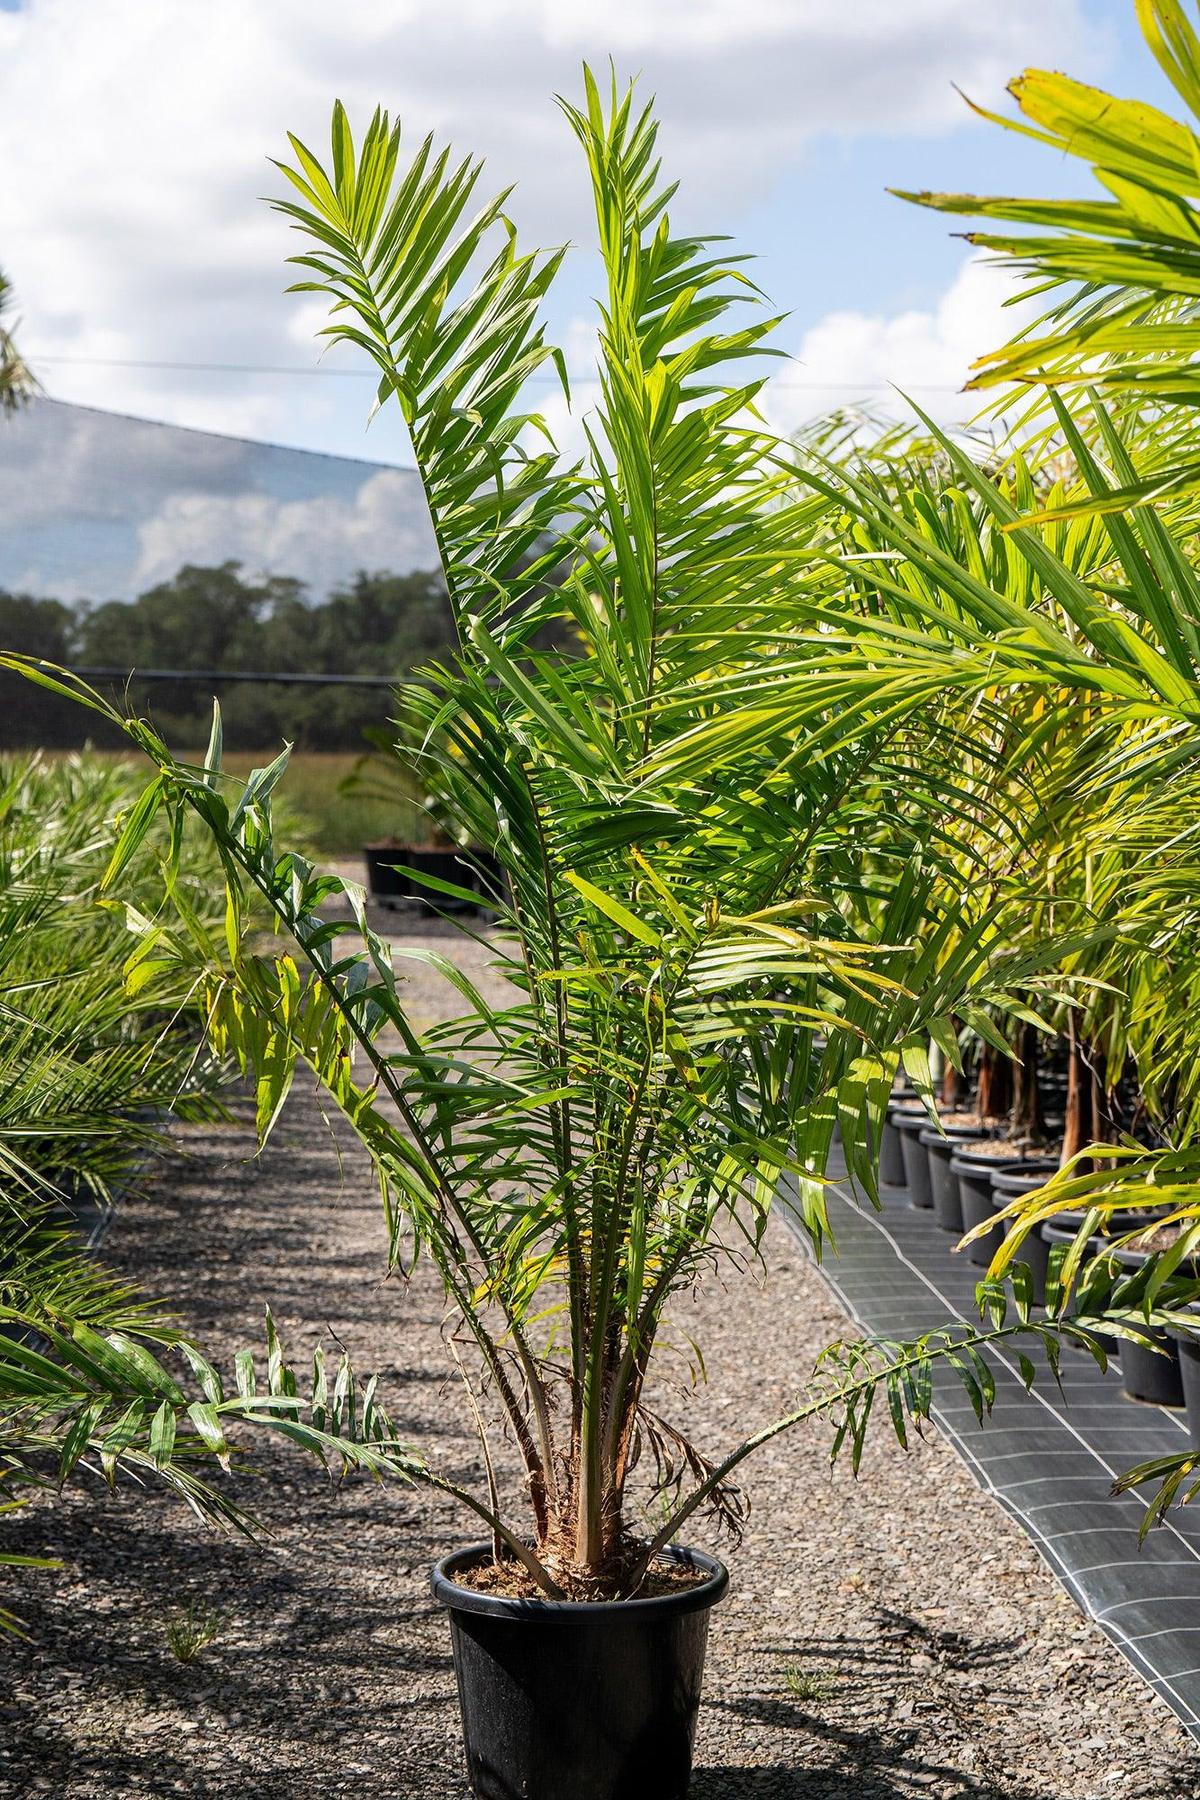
[[1079, 1444]]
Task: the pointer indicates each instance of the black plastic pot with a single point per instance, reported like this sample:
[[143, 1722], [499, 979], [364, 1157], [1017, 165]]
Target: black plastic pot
[[1145, 1374], [891, 1153], [387, 881], [564, 1701], [943, 1186], [914, 1156], [1148, 1375], [979, 1199], [1188, 1349], [1035, 1251], [1149, 1371]]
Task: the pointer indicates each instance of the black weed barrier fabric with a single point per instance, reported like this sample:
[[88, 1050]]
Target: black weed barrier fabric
[[1048, 1458]]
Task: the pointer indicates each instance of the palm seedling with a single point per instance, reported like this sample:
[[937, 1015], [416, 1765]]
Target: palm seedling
[[97, 1382]]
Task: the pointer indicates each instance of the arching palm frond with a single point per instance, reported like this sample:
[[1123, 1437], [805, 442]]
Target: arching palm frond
[[17, 383]]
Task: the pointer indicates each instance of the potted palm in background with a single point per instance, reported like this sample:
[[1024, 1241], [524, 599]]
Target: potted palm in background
[[1062, 580], [99, 1383]]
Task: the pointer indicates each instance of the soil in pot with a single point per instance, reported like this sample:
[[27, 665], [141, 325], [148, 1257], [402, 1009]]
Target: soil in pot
[[591, 1701], [1006, 1151], [940, 1147]]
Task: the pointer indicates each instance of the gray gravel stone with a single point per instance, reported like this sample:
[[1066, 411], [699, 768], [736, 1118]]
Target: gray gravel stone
[[943, 1659]]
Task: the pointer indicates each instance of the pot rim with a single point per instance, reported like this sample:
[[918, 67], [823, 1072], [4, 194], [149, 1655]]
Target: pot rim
[[698, 1598], [948, 1135], [909, 1118], [1124, 1255], [1002, 1165], [1039, 1177]]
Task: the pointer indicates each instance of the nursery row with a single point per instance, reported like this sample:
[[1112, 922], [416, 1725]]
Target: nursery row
[[967, 1170], [95, 1052]]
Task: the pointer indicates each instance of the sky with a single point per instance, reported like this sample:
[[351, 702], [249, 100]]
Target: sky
[[135, 232]]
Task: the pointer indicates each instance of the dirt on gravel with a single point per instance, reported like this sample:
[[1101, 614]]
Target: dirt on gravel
[[884, 1638]]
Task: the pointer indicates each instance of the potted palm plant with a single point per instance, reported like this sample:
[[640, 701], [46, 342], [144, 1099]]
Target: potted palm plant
[[716, 958]]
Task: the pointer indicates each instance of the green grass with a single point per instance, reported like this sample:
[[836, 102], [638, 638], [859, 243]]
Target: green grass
[[333, 823], [807, 1684], [329, 823], [191, 1630]]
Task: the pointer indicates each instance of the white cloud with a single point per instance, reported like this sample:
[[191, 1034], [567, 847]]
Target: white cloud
[[851, 357], [136, 137], [323, 539], [99, 506]]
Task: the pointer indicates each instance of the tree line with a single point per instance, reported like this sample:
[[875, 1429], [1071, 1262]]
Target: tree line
[[218, 618]]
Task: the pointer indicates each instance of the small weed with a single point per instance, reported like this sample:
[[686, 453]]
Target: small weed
[[807, 1684], [191, 1630]]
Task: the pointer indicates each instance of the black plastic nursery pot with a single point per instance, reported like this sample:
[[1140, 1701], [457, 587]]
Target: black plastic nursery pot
[[1035, 1251], [568, 1701], [891, 1152], [1145, 1373], [940, 1147], [1188, 1349], [979, 1198], [1149, 1371], [914, 1156], [388, 877]]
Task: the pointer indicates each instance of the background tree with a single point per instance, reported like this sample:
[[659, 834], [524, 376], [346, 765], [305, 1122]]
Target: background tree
[[219, 618]]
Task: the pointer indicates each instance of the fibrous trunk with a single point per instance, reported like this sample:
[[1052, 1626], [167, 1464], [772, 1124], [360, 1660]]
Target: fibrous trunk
[[1027, 1124], [994, 1093], [1086, 1115]]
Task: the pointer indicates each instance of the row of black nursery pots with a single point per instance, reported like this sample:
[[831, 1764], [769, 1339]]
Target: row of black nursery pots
[[946, 1171], [925, 1152], [1152, 1370]]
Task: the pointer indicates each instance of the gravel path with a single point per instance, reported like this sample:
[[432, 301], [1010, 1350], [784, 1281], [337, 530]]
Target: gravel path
[[886, 1638]]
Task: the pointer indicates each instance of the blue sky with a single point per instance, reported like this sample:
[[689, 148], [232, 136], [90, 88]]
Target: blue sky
[[135, 232], [875, 250]]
